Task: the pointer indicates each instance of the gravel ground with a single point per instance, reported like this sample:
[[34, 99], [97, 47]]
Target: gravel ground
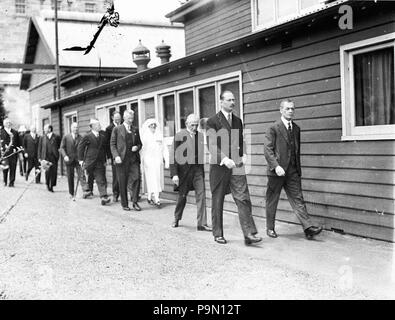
[[54, 248]]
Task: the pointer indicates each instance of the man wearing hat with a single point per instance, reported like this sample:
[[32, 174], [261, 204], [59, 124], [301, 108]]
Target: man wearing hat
[[92, 157]]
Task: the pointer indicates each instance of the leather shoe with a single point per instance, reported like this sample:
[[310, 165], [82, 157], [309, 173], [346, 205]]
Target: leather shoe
[[126, 208], [251, 238], [312, 231], [115, 197], [271, 233], [136, 206], [175, 224], [220, 240], [204, 228], [104, 201]]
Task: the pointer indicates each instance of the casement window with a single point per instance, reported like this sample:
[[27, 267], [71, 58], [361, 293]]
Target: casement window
[[20, 6], [267, 13], [90, 7], [368, 85], [69, 119]]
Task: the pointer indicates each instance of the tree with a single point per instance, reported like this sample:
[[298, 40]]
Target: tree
[[3, 111]]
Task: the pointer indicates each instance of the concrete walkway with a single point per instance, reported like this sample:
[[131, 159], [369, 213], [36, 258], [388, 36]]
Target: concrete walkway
[[54, 248]]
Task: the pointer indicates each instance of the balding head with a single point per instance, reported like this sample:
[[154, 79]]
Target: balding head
[[95, 125]]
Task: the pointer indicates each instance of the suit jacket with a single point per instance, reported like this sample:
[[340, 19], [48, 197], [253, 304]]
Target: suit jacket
[[118, 143], [224, 141], [31, 145], [108, 139], [11, 141], [48, 149], [69, 147], [92, 150], [277, 147], [183, 150]]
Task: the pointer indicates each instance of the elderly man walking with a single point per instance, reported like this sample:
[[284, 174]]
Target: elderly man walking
[[125, 146], [30, 145], [187, 171]]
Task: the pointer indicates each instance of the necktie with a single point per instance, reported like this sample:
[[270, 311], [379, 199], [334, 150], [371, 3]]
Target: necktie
[[289, 127], [230, 119]]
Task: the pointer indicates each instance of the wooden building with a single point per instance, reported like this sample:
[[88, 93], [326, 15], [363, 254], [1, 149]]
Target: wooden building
[[268, 50]]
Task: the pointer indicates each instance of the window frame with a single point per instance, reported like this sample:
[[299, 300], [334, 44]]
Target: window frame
[[20, 5], [276, 19], [347, 52]]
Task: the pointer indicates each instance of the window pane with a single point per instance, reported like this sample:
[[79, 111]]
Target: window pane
[[168, 116], [135, 107], [110, 114], [234, 88], [207, 102], [288, 7], [148, 105], [121, 110], [309, 3], [265, 12], [374, 88], [186, 106]]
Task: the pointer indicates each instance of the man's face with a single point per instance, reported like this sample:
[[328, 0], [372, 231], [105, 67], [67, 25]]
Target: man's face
[[192, 125], [228, 101], [129, 117], [46, 129], [74, 128], [33, 130], [96, 126], [7, 123], [288, 110], [117, 119]]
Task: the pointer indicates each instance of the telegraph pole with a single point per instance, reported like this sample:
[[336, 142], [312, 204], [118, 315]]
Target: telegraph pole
[[57, 52]]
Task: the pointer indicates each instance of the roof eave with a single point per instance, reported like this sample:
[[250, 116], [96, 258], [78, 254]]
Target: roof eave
[[179, 14]]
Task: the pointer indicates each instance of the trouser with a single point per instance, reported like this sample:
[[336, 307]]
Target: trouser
[[71, 169], [22, 165], [51, 174], [32, 163], [98, 172], [293, 188], [241, 195], [10, 172], [115, 183], [128, 178], [196, 179]]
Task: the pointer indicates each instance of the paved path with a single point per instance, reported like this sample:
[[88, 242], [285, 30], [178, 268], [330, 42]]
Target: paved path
[[54, 248]]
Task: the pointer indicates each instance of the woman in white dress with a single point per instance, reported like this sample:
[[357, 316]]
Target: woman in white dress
[[153, 153]]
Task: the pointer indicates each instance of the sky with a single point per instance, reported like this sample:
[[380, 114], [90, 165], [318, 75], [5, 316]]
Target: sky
[[145, 9]]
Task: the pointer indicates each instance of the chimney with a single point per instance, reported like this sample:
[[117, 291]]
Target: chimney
[[163, 52], [141, 57]]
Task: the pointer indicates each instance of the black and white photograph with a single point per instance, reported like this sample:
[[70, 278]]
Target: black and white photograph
[[197, 154]]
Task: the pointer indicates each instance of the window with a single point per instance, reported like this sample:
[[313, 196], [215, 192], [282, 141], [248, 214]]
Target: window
[[368, 89], [148, 105], [20, 6], [186, 106], [90, 7], [266, 13], [207, 105], [168, 115], [135, 107], [70, 118]]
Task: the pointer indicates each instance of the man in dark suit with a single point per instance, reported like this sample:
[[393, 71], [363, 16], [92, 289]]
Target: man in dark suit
[[69, 151], [92, 158], [22, 160], [282, 153], [187, 171], [125, 146], [9, 144], [30, 144], [116, 121], [48, 149], [227, 174]]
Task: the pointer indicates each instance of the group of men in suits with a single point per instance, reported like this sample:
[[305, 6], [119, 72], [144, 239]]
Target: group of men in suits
[[227, 149]]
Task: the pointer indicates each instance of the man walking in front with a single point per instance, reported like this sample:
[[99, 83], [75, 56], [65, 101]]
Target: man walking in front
[[282, 153], [30, 144], [69, 152], [48, 149], [125, 146], [227, 174], [187, 171], [9, 146], [92, 157], [116, 121]]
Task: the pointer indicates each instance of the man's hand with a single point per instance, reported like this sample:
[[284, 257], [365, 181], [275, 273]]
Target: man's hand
[[66, 158], [229, 163], [176, 180], [118, 160], [280, 171], [26, 155], [135, 148]]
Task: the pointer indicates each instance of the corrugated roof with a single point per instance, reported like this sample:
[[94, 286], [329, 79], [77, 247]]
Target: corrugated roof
[[114, 45]]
